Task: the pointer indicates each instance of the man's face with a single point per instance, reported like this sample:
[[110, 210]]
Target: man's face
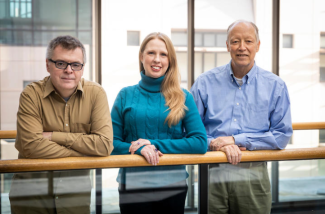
[[242, 46], [66, 80]]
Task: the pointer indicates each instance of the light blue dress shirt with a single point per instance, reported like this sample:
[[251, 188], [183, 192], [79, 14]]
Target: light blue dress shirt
[[257, 114]]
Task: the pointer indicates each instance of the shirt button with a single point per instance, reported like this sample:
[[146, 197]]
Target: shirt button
[[66, 124], [239, 88], [238, 104], [235, 120], [248, 82]]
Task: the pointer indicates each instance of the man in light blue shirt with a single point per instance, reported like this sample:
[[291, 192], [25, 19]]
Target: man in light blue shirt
[[243, 107]]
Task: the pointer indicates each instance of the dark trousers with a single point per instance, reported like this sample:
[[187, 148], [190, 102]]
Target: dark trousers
[[153, 201]]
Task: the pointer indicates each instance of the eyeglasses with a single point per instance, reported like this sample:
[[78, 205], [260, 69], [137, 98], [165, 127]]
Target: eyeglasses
[[63, 65]]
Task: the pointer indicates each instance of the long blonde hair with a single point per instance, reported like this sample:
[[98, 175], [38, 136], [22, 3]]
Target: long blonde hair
[[170, 87]]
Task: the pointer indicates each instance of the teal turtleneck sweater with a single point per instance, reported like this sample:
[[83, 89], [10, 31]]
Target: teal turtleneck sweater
[[139, 111]]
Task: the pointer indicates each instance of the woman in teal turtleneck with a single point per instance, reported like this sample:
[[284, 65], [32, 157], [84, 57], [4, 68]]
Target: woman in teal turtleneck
[[153, 118]]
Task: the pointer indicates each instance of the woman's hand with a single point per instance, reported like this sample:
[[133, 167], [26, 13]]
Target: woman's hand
[[135, 145], [152, 154]]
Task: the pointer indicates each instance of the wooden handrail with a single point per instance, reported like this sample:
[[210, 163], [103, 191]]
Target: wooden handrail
[[10, 134], [116, 161], [308, 126], [24, 165]]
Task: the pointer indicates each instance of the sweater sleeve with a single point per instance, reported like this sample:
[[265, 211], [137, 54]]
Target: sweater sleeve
[[195, 141], [120, 146]]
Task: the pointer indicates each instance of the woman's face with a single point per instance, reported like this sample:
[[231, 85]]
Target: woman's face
[[155, 58]]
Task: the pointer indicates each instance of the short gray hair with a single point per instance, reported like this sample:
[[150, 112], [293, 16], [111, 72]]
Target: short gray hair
[[246, 22], [66, 42]]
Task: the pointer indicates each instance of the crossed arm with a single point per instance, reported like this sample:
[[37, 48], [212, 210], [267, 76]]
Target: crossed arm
[[32, 142], [277, 137]]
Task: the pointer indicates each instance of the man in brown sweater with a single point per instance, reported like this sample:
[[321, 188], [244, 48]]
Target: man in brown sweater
[[60, 116]]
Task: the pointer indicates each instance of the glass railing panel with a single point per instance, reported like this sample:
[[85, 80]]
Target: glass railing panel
[[147, 188], [48, 192], [5, 188], [248, 187], [294, 185], [110, 197], [67, 189], [239, 187], [301, 180]]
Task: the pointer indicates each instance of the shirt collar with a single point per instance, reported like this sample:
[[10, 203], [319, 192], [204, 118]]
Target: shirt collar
[[49, 88], [249, 77]]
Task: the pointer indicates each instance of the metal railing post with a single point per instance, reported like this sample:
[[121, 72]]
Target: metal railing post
[[190, 198], [275, 36], [190, 44], [99, 192], [275, 181], [203, 188], [97, 73]]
